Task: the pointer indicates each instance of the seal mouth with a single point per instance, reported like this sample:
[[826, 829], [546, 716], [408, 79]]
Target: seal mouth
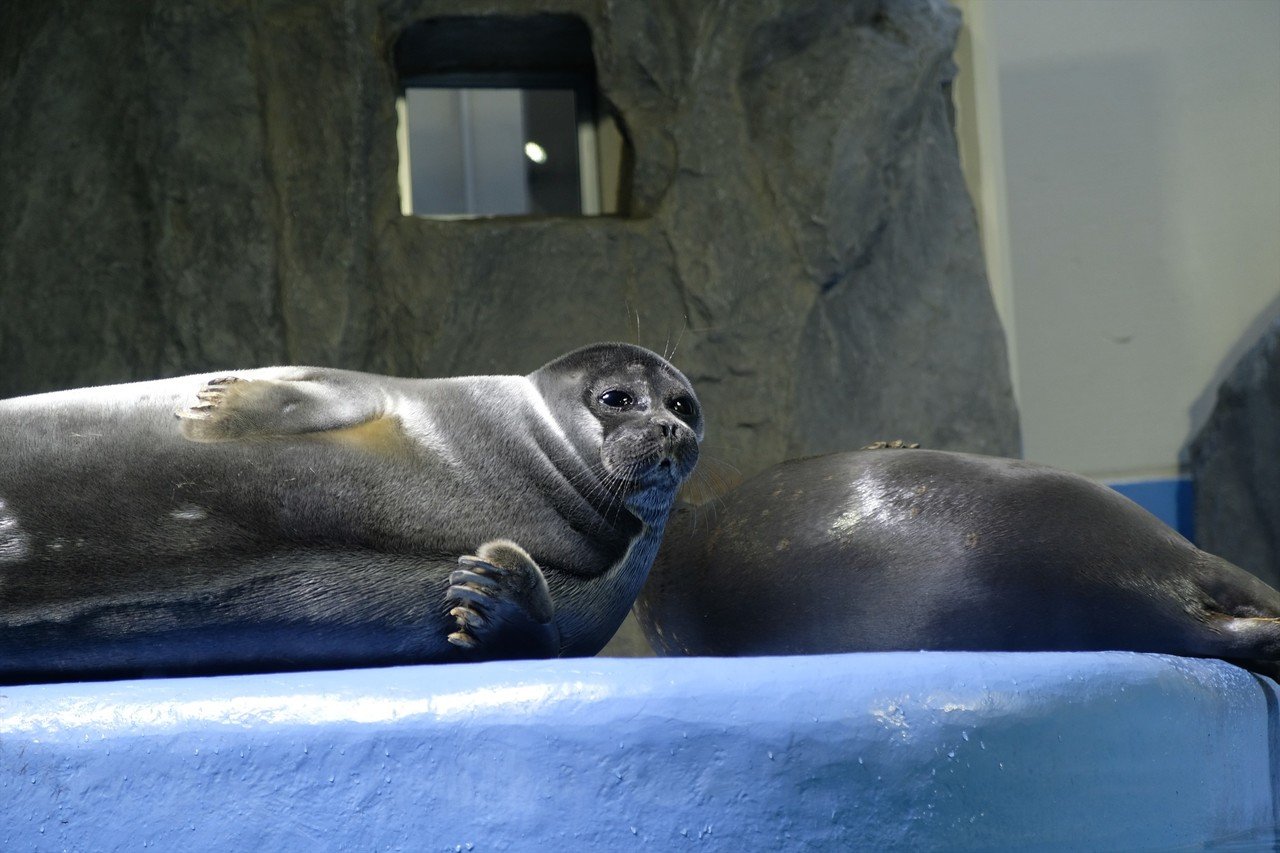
[[664, 469], [645, 461], [670, 467]]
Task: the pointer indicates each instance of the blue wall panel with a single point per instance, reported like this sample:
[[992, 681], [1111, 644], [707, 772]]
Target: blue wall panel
[[871, 751], [1170, 499]]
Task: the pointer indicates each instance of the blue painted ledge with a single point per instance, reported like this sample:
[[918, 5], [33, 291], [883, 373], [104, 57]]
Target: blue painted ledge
[[897, 750]]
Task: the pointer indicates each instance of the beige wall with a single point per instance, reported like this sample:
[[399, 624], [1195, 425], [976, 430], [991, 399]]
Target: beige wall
[[1125, 158]]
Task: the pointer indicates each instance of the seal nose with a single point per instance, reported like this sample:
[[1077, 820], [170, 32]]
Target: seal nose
[[668, 429]]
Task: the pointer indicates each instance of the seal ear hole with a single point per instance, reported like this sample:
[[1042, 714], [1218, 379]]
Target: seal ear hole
[[684, 408], [617, 398]]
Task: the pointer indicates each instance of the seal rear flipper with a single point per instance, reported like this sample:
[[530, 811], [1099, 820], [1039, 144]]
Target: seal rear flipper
[[1248, 637], [503, 606], [1240, 611], [295, 403]]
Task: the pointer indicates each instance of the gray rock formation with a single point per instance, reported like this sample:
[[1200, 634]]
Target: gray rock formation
[[1235, 463], [190, 186]]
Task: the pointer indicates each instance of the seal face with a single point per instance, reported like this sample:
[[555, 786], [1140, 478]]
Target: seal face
[[303, 517], [915, 549]]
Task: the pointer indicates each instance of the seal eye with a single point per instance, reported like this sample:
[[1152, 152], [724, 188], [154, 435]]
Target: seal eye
[[684, 408], [616, 398]]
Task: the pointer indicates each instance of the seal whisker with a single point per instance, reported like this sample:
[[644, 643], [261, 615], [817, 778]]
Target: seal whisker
[[671, 353], [590, 485], [709, 482]]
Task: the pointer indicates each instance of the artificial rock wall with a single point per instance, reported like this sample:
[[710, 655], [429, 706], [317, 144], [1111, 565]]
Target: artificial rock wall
[[209, 185], [1235, 464]]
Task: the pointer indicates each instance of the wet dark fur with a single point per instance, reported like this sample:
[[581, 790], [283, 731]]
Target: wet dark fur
[[917, 549], [320, 529]]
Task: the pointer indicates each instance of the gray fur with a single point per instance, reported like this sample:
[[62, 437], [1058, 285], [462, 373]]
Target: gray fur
[[305, 517], [915, 549]]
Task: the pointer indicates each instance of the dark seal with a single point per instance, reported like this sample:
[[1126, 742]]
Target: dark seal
[[916, 549], [292, 518]]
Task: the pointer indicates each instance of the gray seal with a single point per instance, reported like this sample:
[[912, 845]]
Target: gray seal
[[299, 517], [916, 549]]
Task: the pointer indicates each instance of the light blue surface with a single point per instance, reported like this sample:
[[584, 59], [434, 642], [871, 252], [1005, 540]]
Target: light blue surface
[[871, 751]]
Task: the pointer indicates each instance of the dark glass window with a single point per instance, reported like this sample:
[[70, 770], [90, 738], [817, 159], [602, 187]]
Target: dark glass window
[[499, 117]]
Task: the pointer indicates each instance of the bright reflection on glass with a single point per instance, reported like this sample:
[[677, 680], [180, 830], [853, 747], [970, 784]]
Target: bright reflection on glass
[[535, 152], [470, 151]]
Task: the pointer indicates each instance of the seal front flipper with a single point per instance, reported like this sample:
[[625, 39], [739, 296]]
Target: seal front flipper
[[292, 402], [504, 608]]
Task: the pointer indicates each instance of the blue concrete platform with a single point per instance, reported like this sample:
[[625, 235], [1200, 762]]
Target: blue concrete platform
[[920, 751]]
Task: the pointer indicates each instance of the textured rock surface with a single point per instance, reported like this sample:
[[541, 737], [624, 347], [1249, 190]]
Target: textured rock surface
[[201, 186], [191, 186], [1235, 462]]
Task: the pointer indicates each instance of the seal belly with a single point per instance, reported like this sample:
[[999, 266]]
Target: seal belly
[[273, 554], [109, 503]]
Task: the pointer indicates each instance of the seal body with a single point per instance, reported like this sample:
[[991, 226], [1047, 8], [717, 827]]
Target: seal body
[[301, 517], [915, 549]]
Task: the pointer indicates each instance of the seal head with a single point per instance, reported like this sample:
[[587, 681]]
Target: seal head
[[632, 416]]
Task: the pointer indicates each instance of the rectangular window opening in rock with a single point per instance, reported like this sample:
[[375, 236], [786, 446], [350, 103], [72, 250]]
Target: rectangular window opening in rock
[[498, 116]]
